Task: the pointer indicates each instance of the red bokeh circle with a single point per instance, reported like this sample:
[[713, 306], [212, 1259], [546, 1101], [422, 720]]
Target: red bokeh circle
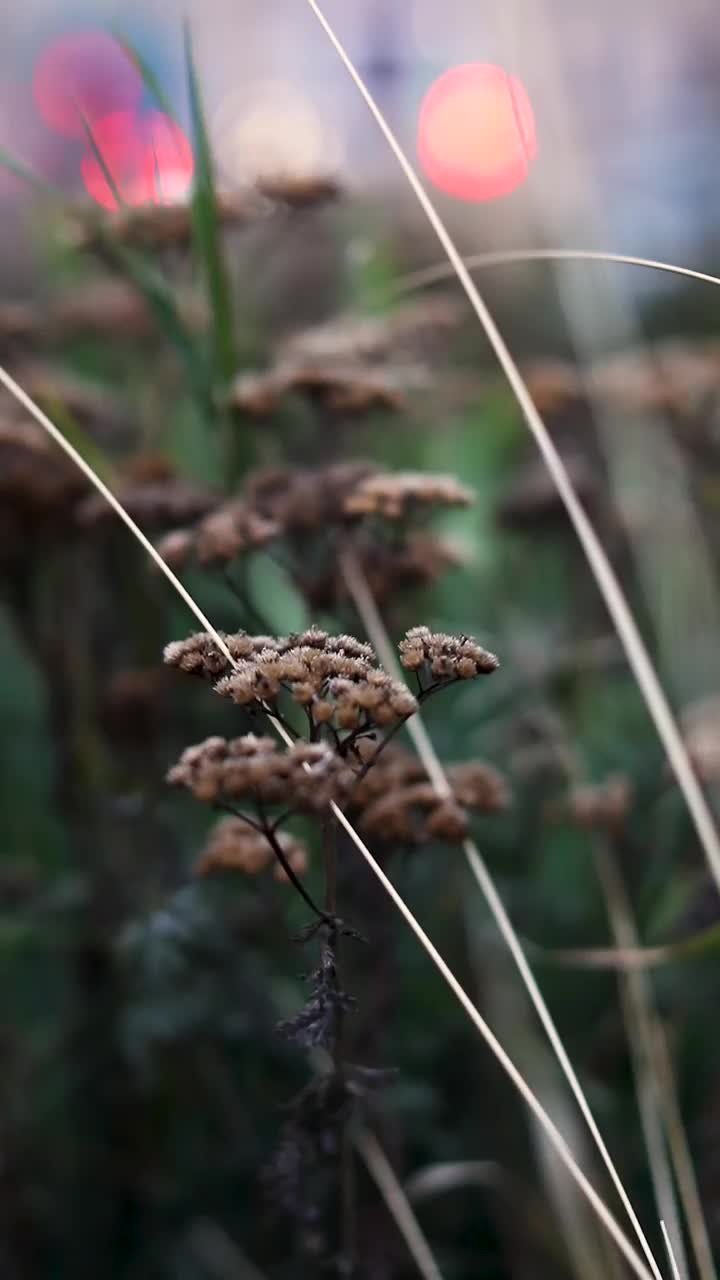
[[82, 78], [476, 132], [119, 142], [168, 158], [149, 159]]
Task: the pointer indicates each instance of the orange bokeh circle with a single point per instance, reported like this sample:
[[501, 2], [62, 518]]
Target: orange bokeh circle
[[476, 132]]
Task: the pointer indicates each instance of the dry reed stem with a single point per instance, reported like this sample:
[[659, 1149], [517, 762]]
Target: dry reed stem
[[618, 608], [397, 1202], [554, 1136], [641, 1030], [671, 1256], [644, 1025], [682, 1159], [377, 633], [440, 271]]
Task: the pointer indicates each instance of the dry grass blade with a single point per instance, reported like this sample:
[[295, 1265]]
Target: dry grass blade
[[554, 1136], [441, 271], [641, 1028], [653, 1057], [617, 605], [377, 633], [671, 1256], [682, 1159], [384, 1176]]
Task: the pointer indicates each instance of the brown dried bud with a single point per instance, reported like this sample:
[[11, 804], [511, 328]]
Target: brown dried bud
[[395, 494], [448, 822], [234, 845], [447, 657], [305, 778], [603, 805]]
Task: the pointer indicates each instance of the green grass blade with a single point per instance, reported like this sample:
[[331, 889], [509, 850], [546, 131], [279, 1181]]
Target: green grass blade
[[149, 79], [21, 170], [161, 301], [207, 230], [101, 160]]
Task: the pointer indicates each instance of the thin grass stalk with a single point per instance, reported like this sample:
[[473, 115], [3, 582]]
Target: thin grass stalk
[[682, 1159], [386, 1180], [365, 604], [441, 271], [648, 1041], [620, 612], [641, 1025], [671, 1256], [554, 1135], [588, 1249]]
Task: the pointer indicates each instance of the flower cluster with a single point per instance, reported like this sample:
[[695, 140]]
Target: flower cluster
[[200, 655], [395, 494], [395, 802], [304, 778], [235, 846], [445, 657], [335, 677], [602, 805], [35, 477], [152, 503], [230, 530], [339, 389]]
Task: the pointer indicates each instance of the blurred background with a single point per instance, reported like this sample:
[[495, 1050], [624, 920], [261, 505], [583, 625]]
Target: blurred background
[[258, 306]]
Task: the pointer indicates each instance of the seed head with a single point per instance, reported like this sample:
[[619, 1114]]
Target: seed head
[[445, 657]]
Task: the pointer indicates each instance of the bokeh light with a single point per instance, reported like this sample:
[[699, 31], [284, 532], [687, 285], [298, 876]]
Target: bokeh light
[[168, 157], [272, 127], [476, 132], [83, 78], [149, 159]]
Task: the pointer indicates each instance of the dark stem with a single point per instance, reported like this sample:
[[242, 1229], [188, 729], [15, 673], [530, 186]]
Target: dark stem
[[346, 1178], [323, 916], [388, 738]]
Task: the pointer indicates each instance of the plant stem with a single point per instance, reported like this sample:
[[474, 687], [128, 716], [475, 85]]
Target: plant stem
[[346, 1171]]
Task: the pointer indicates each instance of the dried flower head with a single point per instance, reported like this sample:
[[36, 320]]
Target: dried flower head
[[396, 803], [396, 494], [199, 654], [348, 389], [299, 191], [302, 501], [35, 477], [235, 846], [230, 530], [153, 504], [163, 226], [603, 805], [445, 657], [374, 339], [333, 676], [304, 778]]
